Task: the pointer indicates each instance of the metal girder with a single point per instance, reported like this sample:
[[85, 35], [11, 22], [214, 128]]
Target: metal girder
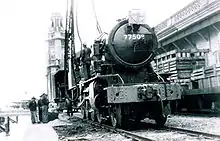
[[176, 46], [157, 53], [161, 46], [163, 49], [193, 29], [216, 28], [203, 37], [189, 42]]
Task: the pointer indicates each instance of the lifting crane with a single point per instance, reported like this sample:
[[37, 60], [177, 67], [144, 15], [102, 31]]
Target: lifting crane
[[69, 51]]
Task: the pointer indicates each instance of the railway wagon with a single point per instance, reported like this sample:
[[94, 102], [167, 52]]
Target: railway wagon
[[123, 87], [203, 93], [200, 84]]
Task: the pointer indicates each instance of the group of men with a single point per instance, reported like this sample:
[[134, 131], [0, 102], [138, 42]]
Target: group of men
[[43, 103], [42, 107]]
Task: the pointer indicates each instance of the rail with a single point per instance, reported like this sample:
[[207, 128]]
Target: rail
[[190, 9], [128, 134], [6, 119], [6, 128], [192, 132]]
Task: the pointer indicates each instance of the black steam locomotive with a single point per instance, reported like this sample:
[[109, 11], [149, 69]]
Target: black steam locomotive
[[122, 85]]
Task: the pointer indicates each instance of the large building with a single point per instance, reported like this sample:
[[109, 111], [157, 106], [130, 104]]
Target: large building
[[56, 38], [190, 41], [189, 53]]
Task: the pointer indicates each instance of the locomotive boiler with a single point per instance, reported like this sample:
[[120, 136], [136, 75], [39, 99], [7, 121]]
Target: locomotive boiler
[[123, 86]]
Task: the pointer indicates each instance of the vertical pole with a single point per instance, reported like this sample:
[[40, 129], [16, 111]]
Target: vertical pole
[[7, 128], [66, 52], [16, 119]]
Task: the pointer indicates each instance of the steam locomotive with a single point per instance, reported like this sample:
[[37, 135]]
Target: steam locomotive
[[123, 86]]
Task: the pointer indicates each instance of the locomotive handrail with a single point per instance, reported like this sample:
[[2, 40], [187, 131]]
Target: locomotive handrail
[[150, 83], [98, 76]]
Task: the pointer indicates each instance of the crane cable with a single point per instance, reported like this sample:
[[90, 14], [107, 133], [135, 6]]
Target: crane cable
[[97, 22], [77, 27], [73, 51], [65, 52]]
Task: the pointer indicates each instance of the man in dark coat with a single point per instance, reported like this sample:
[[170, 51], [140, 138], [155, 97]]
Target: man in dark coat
[[45, 107], [33, 108], [40, 104], [86, 60]]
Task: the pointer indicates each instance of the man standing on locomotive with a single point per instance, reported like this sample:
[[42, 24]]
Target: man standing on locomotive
[[86, 60]]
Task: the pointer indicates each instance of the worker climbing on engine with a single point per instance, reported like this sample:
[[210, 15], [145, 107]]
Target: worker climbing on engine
[[86, 60]]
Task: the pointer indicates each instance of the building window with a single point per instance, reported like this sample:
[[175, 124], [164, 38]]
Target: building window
[[163, 58], [168, 57]]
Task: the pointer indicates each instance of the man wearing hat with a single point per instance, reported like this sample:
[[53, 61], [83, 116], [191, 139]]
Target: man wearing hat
[[40, 107], [86, 60], [33, 108], [45, 107]]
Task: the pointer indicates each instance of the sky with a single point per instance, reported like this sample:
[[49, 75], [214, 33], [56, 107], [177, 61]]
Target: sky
[[24, 29]]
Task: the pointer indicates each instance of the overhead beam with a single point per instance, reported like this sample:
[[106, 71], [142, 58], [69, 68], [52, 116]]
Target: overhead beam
[[193, 29], [216, 28], [160, 46], [203, 37], [189, 42], [176, 46], [164, 49], [157, 53]]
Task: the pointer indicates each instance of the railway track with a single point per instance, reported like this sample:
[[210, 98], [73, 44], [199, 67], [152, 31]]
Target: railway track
[[127, 134], [198, 114], [193, 133], [137, 137]]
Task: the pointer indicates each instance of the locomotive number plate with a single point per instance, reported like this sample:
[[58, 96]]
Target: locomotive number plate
[[133, 36]]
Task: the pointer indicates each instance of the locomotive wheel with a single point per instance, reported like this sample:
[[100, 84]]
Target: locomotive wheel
[[116, 116]]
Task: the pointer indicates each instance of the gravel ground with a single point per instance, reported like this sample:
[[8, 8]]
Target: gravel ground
[[203, 124], [162, 135], [78, 130]]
